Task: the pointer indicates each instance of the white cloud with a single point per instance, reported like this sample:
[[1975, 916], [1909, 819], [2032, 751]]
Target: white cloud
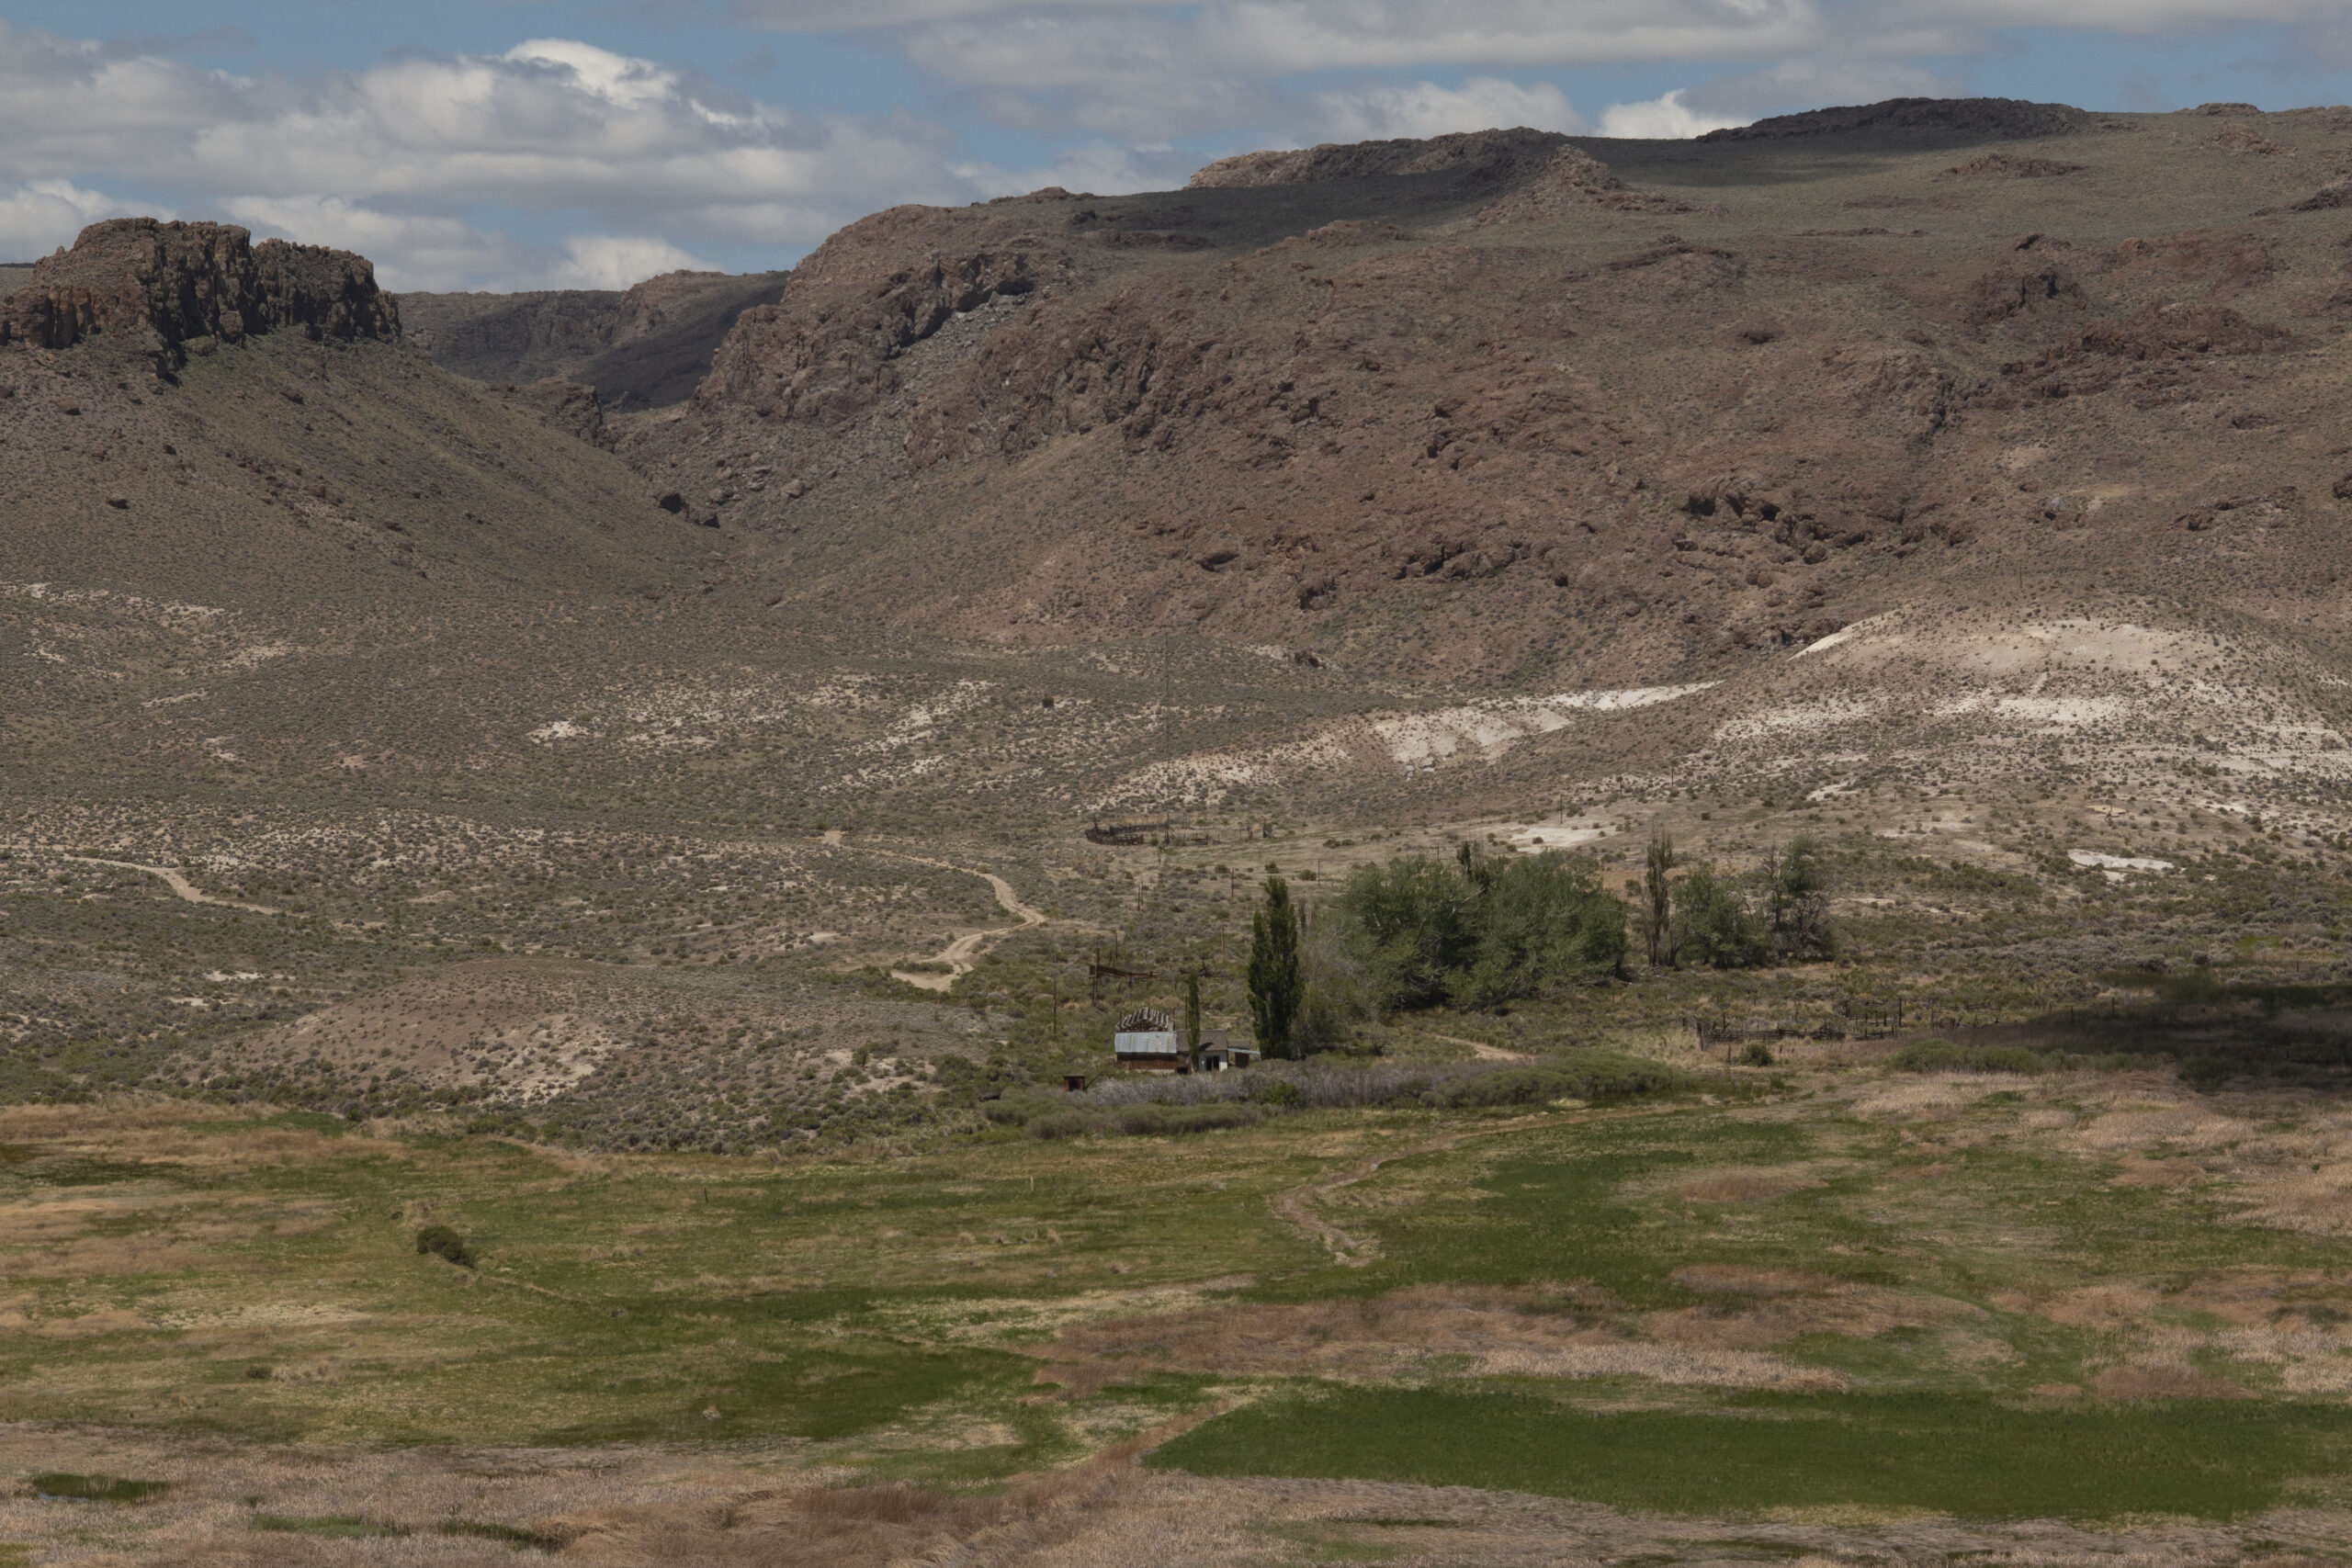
[[40, 215], [424, 251], [395, 158], [1816, 80], [617, 78], [1424, 109], [1663, 118], [616, 261]]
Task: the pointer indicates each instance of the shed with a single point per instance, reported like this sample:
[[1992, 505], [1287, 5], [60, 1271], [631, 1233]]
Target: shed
[[1147, 1040], [1220, 1052]]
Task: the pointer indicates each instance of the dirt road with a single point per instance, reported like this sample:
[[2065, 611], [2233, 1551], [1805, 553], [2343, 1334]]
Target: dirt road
[[960, 954], [176, 882]]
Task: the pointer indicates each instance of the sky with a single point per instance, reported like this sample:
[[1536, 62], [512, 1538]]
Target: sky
[[507, 144]]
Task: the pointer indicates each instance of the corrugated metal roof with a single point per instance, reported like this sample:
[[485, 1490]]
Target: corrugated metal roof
[[1154, 1044]]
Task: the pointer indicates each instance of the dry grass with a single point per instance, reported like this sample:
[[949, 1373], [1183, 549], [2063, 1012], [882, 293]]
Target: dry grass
[[1489, 1331], [653, 1508]]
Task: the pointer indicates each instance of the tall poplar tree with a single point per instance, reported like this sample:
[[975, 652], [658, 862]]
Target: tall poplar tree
[[1276, 982]]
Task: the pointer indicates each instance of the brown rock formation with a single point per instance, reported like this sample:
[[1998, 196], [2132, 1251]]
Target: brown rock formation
[[646, 346], [162, 284], [1390, 404]]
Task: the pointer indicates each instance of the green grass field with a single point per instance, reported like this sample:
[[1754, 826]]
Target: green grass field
[[1959, 1454], [2080, 1294]]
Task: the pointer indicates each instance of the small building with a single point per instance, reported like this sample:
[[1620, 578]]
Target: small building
[[1222, 1052], [1147, 1041]]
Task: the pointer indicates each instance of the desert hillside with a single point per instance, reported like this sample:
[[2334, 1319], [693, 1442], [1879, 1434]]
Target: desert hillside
[[1776, 705], [1490, 407], [646, 346]]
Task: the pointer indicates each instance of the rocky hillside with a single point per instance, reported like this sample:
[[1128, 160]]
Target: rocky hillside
[[1497, 404], [174, 286], [1567, 457], [647, 346], [191, 415]]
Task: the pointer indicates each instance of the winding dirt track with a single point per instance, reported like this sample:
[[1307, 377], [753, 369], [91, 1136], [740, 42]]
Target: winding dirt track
[[960, 954], [1483, 1051], [176, 882]]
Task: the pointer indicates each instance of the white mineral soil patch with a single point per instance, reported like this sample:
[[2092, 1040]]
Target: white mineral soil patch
[[1489, 726]]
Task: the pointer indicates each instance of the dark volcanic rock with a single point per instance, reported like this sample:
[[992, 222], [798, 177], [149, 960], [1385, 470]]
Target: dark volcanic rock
[[1492, 154], [1978, 119], [166, 283]]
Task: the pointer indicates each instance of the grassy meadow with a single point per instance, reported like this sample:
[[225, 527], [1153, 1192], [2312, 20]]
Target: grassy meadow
[[2089, 1293]]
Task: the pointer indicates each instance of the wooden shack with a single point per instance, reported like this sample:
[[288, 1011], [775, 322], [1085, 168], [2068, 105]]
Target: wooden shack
[[1147, 1041]]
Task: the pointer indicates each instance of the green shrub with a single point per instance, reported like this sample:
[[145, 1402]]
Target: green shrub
[[1274, 1092], [1072, 1124], [1482, 931], [1757, 1055], [1712, 924], [95, 1488], [335, 1526], [440, 1241], [1599, 1075], [509, 1535], [1143, 1121], [1934, 1055]]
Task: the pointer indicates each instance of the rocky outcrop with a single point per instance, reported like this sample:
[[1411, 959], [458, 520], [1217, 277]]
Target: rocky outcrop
[[1491, 155], [826, 357], [2010, 166], [159, 286], [646, 346], [1979, 120], [564, 405], [1572, 180]]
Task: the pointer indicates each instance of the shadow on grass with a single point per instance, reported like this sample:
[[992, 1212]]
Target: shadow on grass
[[1963, 1454], [2216, 1028]]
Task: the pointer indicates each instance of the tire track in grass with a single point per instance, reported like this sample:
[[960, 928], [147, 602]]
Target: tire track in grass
[[1293, 1205]]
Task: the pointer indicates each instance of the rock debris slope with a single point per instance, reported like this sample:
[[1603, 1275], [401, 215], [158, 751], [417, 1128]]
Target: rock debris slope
[[1617, 413], [2037, 412], [647, 347]]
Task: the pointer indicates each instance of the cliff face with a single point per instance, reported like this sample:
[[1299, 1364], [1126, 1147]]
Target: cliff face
[[1491, 403], [646, 346], [163, 286]]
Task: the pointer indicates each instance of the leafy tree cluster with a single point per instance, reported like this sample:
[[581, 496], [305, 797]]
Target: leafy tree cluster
[[1420, 932], [1779, 912]]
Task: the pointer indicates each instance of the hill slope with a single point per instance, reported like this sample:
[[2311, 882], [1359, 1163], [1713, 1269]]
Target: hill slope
[[647, 347], [1493, 408]]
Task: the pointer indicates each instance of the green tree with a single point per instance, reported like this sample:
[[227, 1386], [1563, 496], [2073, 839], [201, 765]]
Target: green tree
[[1712, 924], [1797, 898], [1192, 1016], [1657, 897], [1410, 921], [1542, 920], [1274, 980], [1334, 997]]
